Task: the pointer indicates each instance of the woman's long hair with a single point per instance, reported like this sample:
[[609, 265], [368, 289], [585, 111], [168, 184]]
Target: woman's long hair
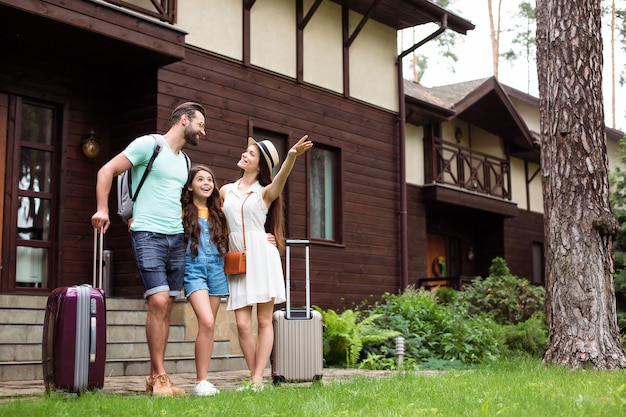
[[217, 220], [275, 223]]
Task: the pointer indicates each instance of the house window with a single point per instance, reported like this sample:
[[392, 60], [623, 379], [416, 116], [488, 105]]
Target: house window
[[33, 208], [323, 192]]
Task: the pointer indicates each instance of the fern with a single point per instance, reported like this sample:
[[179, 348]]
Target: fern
[[347, 335]]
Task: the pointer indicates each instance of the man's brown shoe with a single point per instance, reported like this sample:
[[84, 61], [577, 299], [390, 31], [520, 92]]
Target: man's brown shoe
[[162, 386], [149, 383], [175, 390]]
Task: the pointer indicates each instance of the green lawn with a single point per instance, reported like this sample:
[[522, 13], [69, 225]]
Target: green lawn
[[523, 388]]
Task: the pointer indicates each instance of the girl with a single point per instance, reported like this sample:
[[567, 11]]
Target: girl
[[205, 281], [258, 197]]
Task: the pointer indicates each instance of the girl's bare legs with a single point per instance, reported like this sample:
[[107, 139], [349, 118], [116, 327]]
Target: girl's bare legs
[[206, 308]]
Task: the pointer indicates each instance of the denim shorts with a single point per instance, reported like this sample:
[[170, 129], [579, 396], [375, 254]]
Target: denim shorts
[[206, 273], [161, 261]]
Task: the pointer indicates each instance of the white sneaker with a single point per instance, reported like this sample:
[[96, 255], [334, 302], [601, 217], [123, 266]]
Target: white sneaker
[[205, 388]]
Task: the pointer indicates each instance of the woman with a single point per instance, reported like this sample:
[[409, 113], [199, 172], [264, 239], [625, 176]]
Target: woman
[[205, 282], [258, 197]]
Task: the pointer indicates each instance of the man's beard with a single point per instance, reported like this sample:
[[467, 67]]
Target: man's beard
[[191, 137]]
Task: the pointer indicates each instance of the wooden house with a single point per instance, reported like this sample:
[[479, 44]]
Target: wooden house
[[405, 185], [113, 70]]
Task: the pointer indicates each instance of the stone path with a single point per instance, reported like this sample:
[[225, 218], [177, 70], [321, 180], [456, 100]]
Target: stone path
[[135, 385]]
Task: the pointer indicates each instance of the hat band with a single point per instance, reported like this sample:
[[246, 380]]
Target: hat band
[[267, 154]]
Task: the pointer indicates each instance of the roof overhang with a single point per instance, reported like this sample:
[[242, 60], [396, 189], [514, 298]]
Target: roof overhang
[[402, 14], [53, 30]]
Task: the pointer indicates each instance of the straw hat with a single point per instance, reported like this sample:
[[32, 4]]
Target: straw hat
[[268, 150]]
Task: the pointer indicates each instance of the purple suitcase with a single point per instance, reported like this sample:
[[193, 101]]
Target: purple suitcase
[[74, 334], [298, 354]]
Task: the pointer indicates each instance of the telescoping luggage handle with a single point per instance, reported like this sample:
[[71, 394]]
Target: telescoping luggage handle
[[98, 251], [292, 242]]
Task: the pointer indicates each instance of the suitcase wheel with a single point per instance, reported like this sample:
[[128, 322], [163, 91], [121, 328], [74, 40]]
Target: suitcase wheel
[[278, 380]]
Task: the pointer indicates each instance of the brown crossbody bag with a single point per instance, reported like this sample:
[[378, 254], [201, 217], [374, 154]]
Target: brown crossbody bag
[[235, 262]]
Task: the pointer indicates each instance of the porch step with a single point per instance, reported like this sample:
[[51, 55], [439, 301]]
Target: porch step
[[21, 327]]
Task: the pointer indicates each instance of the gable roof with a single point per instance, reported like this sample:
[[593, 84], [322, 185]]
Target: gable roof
[[484, 103], [401, 14]]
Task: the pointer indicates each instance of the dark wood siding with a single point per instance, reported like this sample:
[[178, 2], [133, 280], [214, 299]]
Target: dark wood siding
[[416, 225], [367, 262], [519, 234]]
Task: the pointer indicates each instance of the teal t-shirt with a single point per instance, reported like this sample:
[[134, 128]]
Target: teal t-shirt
[[157, 208]]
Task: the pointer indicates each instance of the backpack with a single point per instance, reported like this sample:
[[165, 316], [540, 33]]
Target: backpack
[[125, 198]]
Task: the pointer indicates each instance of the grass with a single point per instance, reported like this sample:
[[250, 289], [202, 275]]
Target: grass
[[522, 387]]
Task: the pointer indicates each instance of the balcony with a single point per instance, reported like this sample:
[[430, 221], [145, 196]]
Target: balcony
[[461, 176], [471, 170]]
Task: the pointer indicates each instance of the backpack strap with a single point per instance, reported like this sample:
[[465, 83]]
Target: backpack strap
[[187, 160], [158, 145]]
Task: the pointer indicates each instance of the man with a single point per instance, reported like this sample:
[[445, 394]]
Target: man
[[156, 228]]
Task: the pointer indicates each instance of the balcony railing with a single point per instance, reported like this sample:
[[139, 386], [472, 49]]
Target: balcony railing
[[469, 169], [164, 10]]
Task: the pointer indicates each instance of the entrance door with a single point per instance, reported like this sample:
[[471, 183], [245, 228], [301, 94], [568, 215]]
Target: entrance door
[[30, 204], [436, 257]]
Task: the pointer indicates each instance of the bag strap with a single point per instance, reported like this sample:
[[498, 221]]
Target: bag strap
[[157, 148], [243, 230]]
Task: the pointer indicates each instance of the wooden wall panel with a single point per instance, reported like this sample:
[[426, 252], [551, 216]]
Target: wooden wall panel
[[519, 234], [367, 261]]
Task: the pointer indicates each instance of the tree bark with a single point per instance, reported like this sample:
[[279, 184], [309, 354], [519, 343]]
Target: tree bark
[[579, 226], [494, 31]]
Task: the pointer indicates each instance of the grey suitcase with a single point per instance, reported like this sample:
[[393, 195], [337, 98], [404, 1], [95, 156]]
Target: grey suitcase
[[298, 345]]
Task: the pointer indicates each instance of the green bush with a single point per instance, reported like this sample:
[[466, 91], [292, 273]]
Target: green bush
[[433, 330], [347, 333], [506, 298], [529, 337]]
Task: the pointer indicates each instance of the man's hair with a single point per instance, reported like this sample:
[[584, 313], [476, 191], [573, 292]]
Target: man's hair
[[189, 108]]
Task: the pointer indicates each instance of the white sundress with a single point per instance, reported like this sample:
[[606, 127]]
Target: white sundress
[[264, 279]]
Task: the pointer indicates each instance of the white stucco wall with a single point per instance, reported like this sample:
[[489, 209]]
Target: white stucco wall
[[414, 154], [217, 26], [213, 25], [532, 201], [373, 74], [323, 50], [273, 36]]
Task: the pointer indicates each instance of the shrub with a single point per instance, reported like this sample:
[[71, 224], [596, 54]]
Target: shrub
[[529, 337], [347, 333], [506, 298], [432, 330]]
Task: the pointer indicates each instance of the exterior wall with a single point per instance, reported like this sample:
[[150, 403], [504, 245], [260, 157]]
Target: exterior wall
[[529, 113], [414, 139], [216, 26], [213, 25], [273, 36], [323, 47], [483, 141], [373, 72], [535, 188], [519, 234], [417, 227], [367, 261]]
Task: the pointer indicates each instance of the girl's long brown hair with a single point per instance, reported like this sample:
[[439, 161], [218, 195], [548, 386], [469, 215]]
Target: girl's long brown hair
[[217, 220], [275, 223]]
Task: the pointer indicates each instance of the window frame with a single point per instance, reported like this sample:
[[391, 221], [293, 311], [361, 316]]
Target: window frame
[[12, 240], [337, 218]]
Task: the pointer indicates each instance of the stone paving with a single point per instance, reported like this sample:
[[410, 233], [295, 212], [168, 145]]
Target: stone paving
[[135, 385]]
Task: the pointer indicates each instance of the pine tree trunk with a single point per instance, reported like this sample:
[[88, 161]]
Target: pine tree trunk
[[579, 226]]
